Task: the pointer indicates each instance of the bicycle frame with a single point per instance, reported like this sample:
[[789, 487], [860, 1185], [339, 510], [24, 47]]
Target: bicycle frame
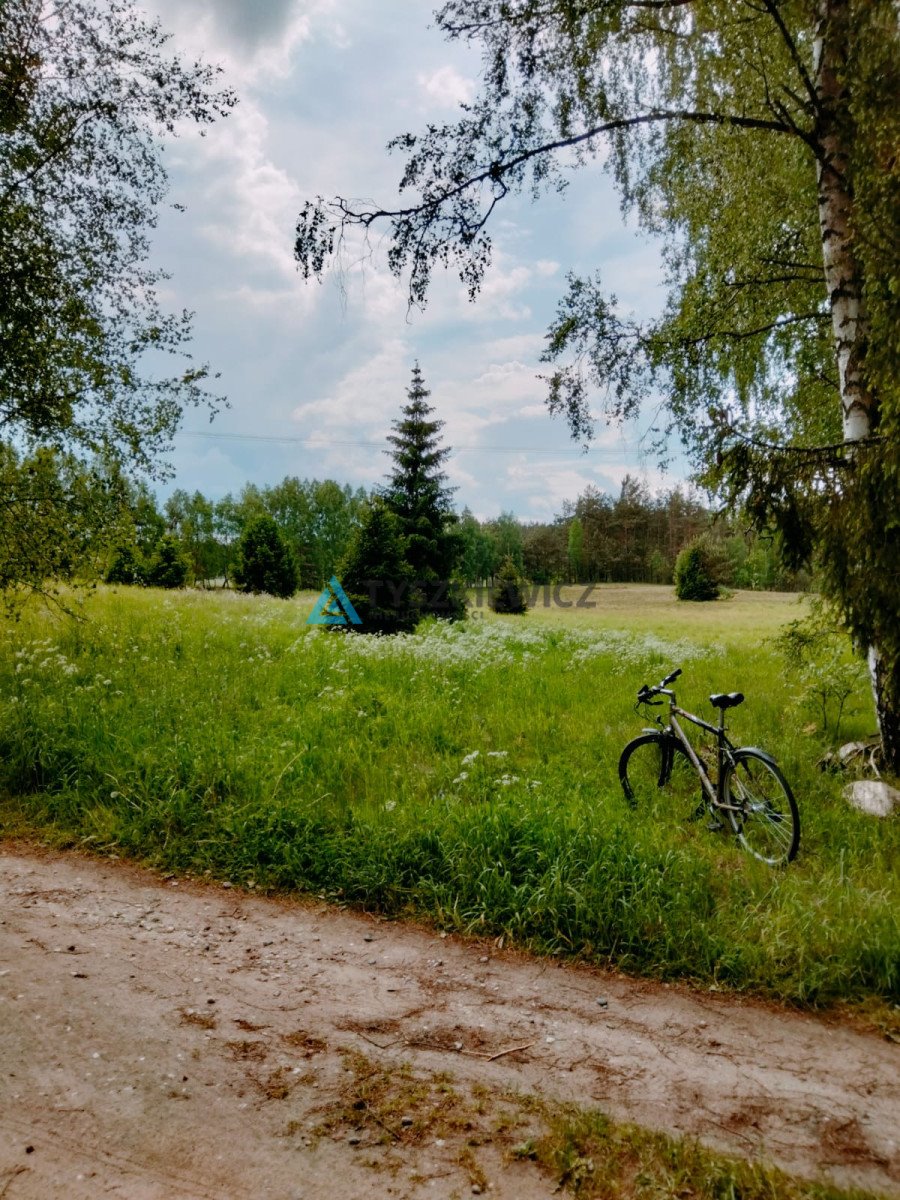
[[724, 748]]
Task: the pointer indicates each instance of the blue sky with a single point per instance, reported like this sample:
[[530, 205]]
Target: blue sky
[[315, 374]]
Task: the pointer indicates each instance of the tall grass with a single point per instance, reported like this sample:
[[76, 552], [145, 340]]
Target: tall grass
[[467, 773]]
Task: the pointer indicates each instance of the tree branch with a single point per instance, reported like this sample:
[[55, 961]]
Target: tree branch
[[497, 170], [470, 29], [771, 7], [811, 451], [742, 334], [770, 279]]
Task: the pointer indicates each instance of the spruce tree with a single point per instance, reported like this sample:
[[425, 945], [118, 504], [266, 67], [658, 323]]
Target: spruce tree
[[418, 495], [376, 576]]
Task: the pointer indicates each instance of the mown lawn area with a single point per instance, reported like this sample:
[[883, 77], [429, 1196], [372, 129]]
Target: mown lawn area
[[467, 774]]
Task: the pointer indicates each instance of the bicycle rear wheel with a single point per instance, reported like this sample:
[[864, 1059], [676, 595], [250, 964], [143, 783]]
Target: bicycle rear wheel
[[766, 821], [655, 761]]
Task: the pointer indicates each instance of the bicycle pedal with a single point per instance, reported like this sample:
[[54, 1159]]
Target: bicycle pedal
[[714, 825]]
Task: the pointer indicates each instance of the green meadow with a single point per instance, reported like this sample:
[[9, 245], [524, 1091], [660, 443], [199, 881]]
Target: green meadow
[[464, 774]]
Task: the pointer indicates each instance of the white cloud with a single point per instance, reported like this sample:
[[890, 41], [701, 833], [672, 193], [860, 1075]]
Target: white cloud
[[547, 484], [447, 87], [364, 401], [532, 411]]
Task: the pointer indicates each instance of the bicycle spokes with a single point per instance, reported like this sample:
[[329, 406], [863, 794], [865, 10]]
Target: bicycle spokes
[[764, 816]]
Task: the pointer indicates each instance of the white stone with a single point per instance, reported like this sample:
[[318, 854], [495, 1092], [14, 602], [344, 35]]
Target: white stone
[[873, 797]]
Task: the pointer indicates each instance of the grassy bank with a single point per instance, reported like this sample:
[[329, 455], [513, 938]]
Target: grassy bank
[[466, 773]]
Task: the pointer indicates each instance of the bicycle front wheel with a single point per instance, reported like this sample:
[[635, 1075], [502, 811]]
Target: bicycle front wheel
[[764, 815], [655, 761]]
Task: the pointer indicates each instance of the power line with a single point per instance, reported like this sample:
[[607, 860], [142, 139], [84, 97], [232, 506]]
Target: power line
[[317, 441]]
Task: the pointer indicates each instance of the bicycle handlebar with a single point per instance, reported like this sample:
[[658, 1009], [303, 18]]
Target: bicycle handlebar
[[646, 693]]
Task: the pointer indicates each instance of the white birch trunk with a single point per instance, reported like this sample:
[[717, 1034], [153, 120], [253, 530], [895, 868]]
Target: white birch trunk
[[842, 271], [843, 279]]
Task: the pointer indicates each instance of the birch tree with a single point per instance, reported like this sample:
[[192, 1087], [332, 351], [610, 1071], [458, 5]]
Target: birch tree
[[761, 140]]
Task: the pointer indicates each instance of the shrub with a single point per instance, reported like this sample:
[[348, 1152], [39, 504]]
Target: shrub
[[265, 562], [696, 572], [125, 567], [508, 595], [169, 566], [823, 669]]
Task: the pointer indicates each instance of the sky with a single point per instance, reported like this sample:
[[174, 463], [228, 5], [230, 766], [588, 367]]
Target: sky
[[315, 373]]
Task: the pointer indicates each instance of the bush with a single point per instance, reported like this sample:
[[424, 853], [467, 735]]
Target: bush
[[696, 575], [125, 567], [508, 594], [265, 562], [825, 672], [169, 566]]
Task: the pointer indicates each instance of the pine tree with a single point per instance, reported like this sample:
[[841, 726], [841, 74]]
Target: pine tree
[[576, 548], [376, 575], [418, 495]]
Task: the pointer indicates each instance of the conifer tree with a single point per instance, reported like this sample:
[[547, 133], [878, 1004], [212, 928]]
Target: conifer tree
[[418, 495], [126, 566], [576, 548], [376, 575]]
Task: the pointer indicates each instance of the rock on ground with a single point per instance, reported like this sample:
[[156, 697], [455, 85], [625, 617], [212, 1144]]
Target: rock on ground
[[873, 796]]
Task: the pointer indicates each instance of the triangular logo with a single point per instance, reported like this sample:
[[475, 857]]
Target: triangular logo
[[333, 607]]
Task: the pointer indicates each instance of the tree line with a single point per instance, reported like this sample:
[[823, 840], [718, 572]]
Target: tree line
[[635, 537]]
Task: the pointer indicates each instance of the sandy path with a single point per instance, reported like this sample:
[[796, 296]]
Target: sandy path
[[162, 1039]]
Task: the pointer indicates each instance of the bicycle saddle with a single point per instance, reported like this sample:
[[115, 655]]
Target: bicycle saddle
[[727, 699]]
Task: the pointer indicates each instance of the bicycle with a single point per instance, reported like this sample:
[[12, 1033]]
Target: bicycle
[[750, 793]]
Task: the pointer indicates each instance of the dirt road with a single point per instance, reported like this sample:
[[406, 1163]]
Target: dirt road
[[167, 1039]]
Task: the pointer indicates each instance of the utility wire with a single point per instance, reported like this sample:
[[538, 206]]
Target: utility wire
[[317, 441]]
